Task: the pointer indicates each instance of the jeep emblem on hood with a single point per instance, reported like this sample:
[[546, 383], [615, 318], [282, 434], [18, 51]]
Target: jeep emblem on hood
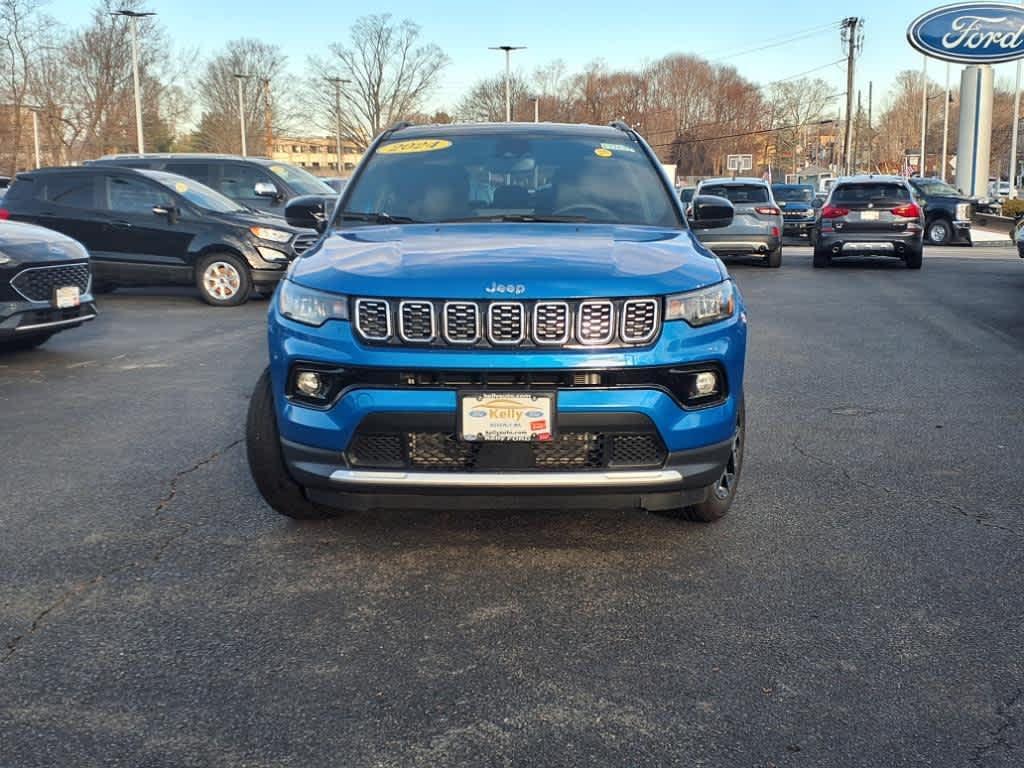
[[513, 288]]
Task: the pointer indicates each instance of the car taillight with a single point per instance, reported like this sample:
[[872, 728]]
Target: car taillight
[[4, 214], [768, 210], [834, 212], [908, 211], [775, 231]]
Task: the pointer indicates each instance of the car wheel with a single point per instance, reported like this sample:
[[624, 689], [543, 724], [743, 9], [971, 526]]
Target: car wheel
[[939, 232], [721, 494], [21, 343], [774, 258], [266, 462], [223, 280], [913, 259], [822, 258]]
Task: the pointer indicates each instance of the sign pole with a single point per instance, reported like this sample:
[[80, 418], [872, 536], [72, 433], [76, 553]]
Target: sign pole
[[945, 125], [924, 115], [1014, 130]]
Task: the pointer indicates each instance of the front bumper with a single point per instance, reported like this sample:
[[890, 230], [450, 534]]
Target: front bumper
[[797, 227], [27, 318], [961, 232], [696, 441]]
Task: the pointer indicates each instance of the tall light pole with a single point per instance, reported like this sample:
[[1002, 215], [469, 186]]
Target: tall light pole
[[133, 17], [508, 75], [338, 82], [536, 108], [924, 114], [35, 132], [241, 108]]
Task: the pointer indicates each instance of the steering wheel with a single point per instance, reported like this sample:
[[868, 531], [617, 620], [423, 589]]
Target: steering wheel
[[604, 213]]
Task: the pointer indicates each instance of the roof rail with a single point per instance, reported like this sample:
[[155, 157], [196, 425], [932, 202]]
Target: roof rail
[[398, 127]]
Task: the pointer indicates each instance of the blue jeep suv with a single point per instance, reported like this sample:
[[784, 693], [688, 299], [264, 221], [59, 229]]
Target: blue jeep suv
[[505, 310]]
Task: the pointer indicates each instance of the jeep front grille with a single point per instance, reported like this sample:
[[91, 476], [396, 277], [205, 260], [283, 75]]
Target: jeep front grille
[[506, 324]]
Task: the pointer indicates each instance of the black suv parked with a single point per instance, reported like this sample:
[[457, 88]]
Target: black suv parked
[[870, 216], [44, 285], [947, 211], [151, 227], [255, 182]]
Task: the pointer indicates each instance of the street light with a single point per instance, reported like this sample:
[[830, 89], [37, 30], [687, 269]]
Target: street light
[[338, 82], [241, 108], [35, 131], [133, 17], [508, 75], [536, 108]]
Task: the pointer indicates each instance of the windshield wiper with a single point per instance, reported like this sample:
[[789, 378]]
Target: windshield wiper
[[380, 217], [527, 217]]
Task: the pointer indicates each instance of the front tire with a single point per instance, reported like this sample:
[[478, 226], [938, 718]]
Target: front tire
[[774, 258], [939, 232], [266, 462], [223, 280]]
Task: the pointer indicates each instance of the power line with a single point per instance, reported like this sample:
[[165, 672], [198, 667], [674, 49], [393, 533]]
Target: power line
[[748, 133], [783, 41], [806, 72]]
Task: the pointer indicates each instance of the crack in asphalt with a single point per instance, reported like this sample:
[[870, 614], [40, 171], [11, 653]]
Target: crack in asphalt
[[977, 518], [997, 737], [84, 586]]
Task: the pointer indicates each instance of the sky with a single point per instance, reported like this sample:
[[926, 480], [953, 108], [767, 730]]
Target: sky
[[622, 34]]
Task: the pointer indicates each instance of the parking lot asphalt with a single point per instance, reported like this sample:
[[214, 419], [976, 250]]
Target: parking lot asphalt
[[860, 606]]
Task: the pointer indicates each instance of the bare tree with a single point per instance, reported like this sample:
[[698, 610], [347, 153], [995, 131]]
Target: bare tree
[[21, 41], [262, 64], [390, 76], [485, 102], [794, 105]]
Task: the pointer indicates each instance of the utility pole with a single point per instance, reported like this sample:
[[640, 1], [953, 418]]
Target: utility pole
[[853, 39], [945, 124], [268, 119], [871, 131], [241, 109], [338, 82], [133, 18], [508, 75], [924, 115]]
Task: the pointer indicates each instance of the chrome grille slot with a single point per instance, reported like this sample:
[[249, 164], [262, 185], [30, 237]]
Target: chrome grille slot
[[303, 243], [639, 320], [506, 322], [416, 321], [551, 323], [595, 322], [461, 322], [39, 283], [373, 319]]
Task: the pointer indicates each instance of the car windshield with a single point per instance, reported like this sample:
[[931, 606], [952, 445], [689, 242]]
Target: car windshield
[[936, 188], [787, 193], [303, 182], [513, 176], [873, 192], [198, 194], [738, 193]]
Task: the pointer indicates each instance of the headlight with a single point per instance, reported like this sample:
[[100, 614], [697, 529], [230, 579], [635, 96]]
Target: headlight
[[708, 305], [273, 235], [304, 305], [4, 258], [963, 211]]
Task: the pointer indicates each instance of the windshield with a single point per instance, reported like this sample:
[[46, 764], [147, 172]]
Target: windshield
[[738, 193], [511, 177], [303, 182], [786, 193], [936, 189], [198, 194]]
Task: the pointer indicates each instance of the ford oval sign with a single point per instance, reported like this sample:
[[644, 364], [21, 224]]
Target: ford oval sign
[[970, 33]]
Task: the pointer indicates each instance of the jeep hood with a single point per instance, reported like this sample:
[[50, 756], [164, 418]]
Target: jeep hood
[[530, 261]]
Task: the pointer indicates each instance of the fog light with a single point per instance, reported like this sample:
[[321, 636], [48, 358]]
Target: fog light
[[705, 383], [309, 383]]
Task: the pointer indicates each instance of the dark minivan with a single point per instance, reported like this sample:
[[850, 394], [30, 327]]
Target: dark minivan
[[255, 182], [870, 216], [153, 228]]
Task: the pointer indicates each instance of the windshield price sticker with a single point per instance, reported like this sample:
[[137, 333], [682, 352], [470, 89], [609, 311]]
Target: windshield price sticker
[[507, 417], [617, 147], [417, 145], [602, 152]]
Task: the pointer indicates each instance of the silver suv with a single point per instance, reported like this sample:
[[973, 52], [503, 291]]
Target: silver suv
[[757, 226]]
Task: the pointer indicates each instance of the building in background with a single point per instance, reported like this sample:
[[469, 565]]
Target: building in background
[[316, 154]]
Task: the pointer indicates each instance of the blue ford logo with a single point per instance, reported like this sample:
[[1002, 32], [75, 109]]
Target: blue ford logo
[[478, 413], [970, 33], [534, 414]]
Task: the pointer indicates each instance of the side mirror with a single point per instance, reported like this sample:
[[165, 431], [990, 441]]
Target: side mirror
[[711, 212], [306, 211], [170, 210], [265, 189]]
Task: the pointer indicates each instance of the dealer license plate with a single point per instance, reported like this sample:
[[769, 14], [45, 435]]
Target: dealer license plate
[[869, 215], [506, 416], [68, 296]]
